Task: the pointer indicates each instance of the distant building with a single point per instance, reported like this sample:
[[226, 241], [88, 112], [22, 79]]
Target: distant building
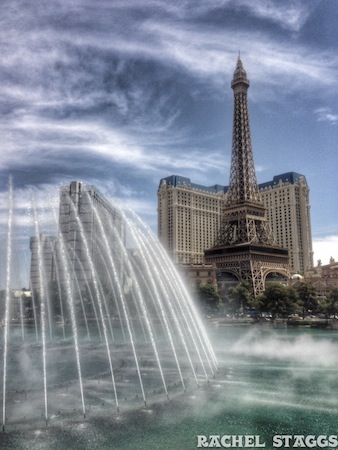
[[323, 278], [197, 275], [286, 199], [84, 216], [44, 248], [81, 207], [189, 217], [20, 304]]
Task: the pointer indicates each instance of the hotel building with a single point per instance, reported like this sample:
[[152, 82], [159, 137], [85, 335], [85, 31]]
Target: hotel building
[[189, 217]]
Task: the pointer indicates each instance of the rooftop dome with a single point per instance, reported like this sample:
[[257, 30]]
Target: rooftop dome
[[296, 276]]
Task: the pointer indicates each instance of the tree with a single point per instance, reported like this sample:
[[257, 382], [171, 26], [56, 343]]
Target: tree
[[278, 300], [307, 298], [330, 305], [209, 298], [239, 297]]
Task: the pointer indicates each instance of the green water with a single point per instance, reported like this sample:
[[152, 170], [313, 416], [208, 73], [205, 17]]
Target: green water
[[282, 382]]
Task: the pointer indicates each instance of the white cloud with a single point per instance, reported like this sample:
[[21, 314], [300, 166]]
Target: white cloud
[[324, 248], [212, 53], [200, 50], [289, 14], [326, 115], [86, 138]]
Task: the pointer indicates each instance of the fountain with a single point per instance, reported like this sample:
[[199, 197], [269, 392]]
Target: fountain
[[108, 325], [108, 351]]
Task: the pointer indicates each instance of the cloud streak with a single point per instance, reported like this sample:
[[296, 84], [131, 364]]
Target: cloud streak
[[59, 80]]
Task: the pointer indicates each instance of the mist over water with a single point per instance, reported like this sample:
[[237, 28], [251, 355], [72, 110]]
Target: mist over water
[[310, 349]]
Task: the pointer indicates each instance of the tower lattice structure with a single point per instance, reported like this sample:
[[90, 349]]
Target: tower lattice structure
[[245, 245]]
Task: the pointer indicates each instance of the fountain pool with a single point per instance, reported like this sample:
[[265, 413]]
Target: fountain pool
[[271, 383]]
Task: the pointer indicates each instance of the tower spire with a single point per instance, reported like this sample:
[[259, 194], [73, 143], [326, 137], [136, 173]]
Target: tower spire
[[240, 79], [243, 185]]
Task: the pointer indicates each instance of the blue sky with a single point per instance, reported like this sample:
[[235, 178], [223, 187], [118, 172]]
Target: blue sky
[[122, 93]]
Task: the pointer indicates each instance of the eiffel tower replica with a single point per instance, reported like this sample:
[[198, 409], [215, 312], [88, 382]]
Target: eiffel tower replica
[[245, 246]]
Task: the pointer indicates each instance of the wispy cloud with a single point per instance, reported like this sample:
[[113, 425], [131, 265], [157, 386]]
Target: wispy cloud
[[289, 14], [326, 115], [42, 142], [71, 59], [211, 54]]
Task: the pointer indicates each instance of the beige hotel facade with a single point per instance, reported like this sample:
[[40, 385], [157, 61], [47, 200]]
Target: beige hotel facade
[[189, 217]]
